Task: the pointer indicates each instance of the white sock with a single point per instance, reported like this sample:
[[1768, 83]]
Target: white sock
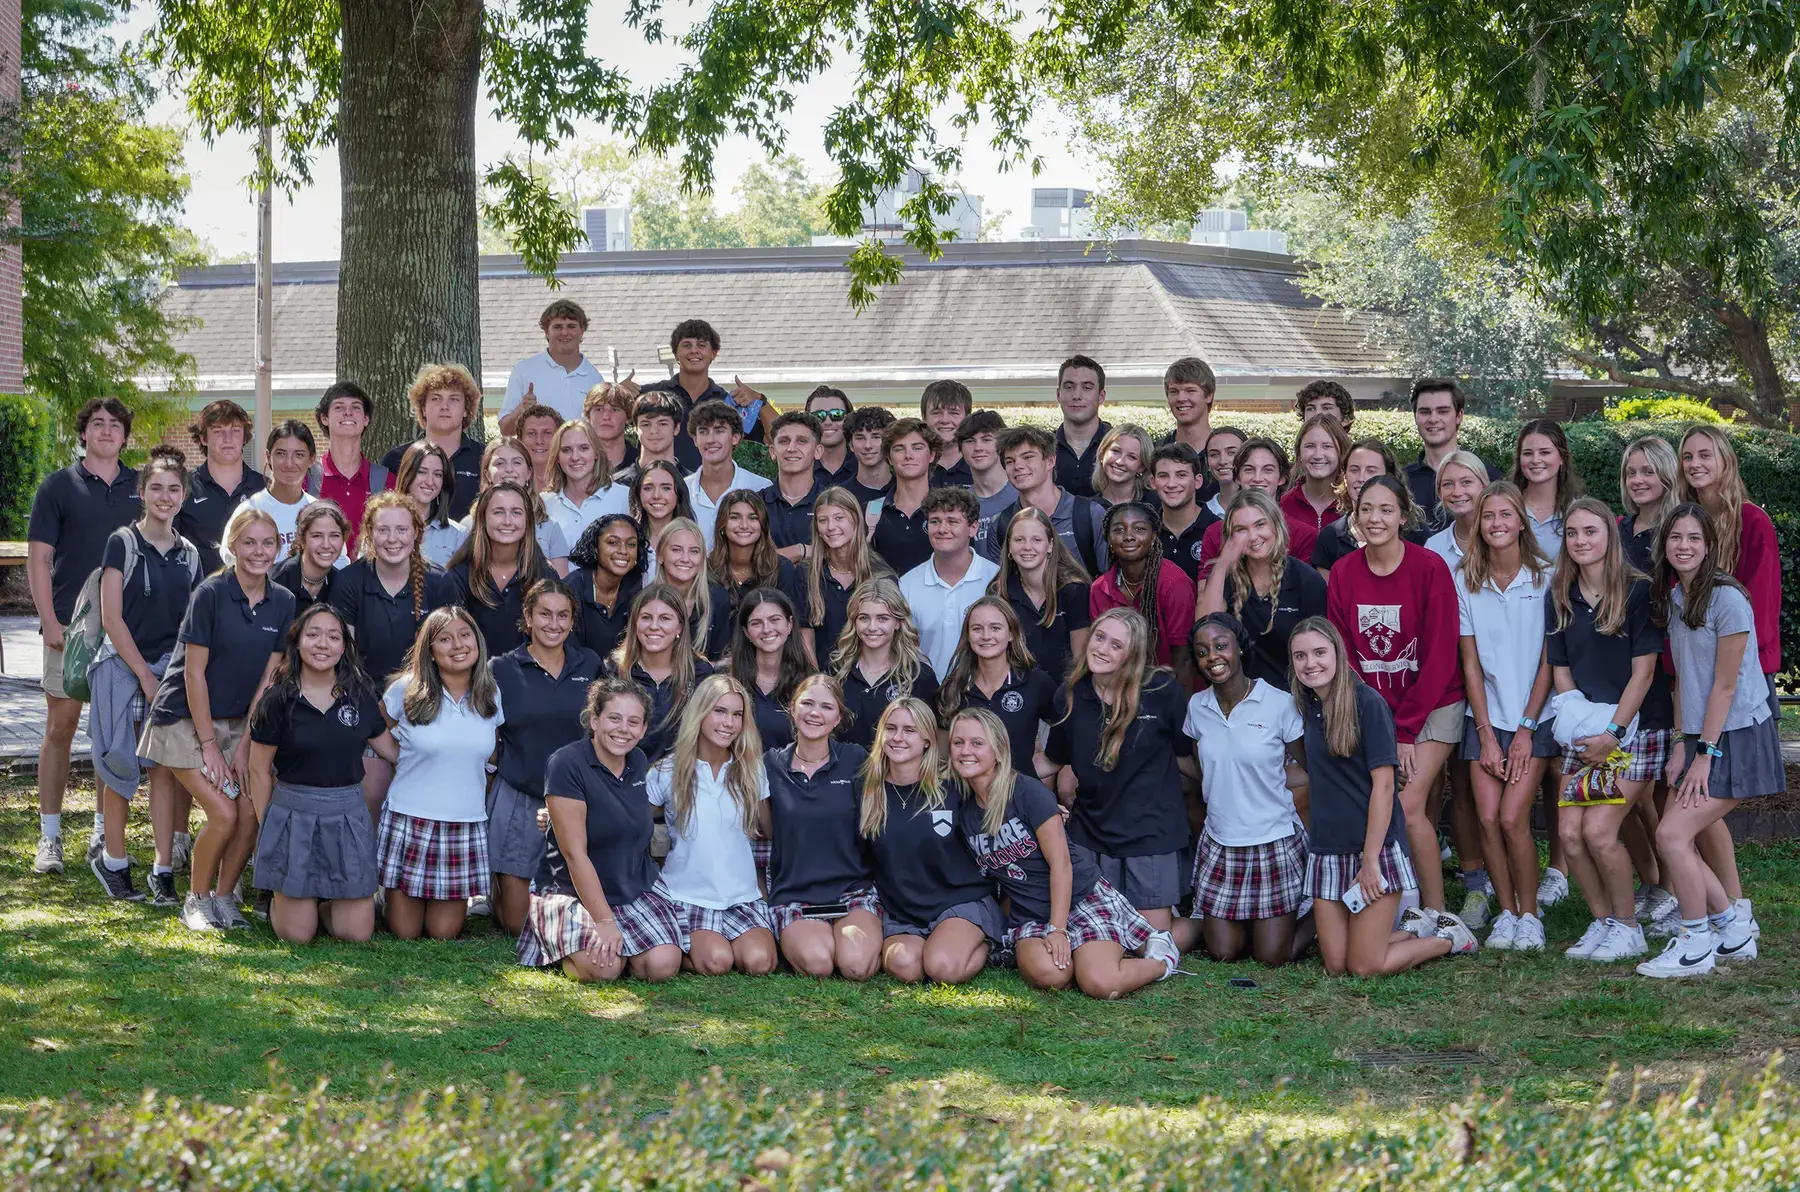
[[117, 864], [99, 823], [50, 826], [160, 870]]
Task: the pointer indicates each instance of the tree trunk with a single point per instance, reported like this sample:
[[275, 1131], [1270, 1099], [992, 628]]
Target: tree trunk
[[409, 271], [1750, 338]]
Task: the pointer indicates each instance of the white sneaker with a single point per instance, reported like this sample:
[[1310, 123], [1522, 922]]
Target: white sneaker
[[1689, 954], [1530, 935], [1746, 912], [480, 907], [1553, 887], [1590, 939], [1621, 943], [49, 855], [197, 913], [1462, 940], [1418, 921], [1475, 910], [1653, 902], [1737, 943], [1505, 930], [1161, 946]]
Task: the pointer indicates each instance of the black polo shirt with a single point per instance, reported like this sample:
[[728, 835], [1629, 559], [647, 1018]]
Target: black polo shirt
[[1421, 481], [1135, 809], [1011, 857], [628, 462], [466, 463], [385, 625], [287, 574], [685, 451], [718, 628], [1020, 703], [834, 609], [1183, 549], [543, 712], [1600, 663], [1075, 473], [238, 637], [817, 853], [772, 722], [618, 824], [788, 581], [665, 717], [865, 493], [154, 597], [901, 539], [1639, 545], [74, 512], [314, 748], [864, 702], [841, 478], [922, 868], [1050, 644], [790, 522], [208, 507], [598, 627], [1334, 545], [1341, 786], [498, 622], [956, 475], [1301, 595]]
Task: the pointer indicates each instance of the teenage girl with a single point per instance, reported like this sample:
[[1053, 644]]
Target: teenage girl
[[1048, 590], [581, 489], [1320, 452], [838, 560], [422, 476], [1122, 465], [1142, 580], [1261, 584], [993, 669], [658, 656], [288, 455], [1545, 472], [319, 536], [1647, 491], [743, 555], [1748, 551], [1461, 477], [509, 459], [1263, 464], [1067, 925], [878, 659], [681, 564], [498, 564], [610, 564], [658, 496], [768, 659], [1366, 458]]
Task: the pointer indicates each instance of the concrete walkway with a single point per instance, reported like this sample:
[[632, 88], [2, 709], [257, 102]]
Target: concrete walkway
[[22, 711]]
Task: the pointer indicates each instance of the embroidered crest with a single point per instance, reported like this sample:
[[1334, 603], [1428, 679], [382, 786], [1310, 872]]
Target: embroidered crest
[[348, 716], [1012, 701]]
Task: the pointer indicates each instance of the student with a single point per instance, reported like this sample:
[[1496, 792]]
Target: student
[[1122, 466], [938, 914], [1175, 472], [608, 409], [498, 564], [658, 655], [1544, 471], [1080, 392], [769, 660], [1437, 407], [1047, 589], [1067, 925], [711, 790], [1501, 595], [681, 564], [230, 642], [794, 446], [1394, 603], [1189, 388], [610, 568], [287, 455], [1748, 551], [696, 345], [716, 432], [559, 376], [1320, 450], [1263, 587], [312, 564], [424, 472], [344, 474], [444, 710], [658, 496], [836, 463], [1328, 398], [1250, 865], [1461, 477], [941, 589], [993, 669], [594, 910], [581, 488], [657, 417], [1029, 455], [1356, 820], [220, 484], [978, 438], [1118, 739], [1732, 749], [744, 555], [877, 658], [508, 459], [1367, 458], [837, 561], [1260, 464], [1647, 491], [942, 407], [1603, 644], [537, 430], [867, 429], [821, 883], [1222, 447], [315, 851], [897, 527], [446, 401], [543, 685], [147, 574], [1142, 580]]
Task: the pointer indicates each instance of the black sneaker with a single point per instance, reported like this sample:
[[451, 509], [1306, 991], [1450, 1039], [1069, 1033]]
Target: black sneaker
[[162, 889], [116, 882]]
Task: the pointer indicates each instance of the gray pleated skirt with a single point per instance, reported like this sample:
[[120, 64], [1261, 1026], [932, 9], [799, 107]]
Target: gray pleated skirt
[[316, 842], [1752, 765], [515, 845]]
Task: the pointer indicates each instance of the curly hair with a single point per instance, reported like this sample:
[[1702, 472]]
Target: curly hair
[[433, 377], [393, 498], [906, 658]]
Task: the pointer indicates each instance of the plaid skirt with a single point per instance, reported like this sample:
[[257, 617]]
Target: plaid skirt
[[1103, 914], [1328, 875], [437, 860], [787, 914], [731, 922], [761, 848], [1243, 883], [1649, 753], [557, 926]]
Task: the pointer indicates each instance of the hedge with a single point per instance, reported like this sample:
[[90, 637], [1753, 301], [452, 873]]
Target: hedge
[[25, 455]]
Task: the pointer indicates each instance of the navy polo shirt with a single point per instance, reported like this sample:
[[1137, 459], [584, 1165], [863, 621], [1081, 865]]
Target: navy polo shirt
[[287, 574], [772, 722], [790, 522], [1600, 663], [1011, 856], [1050, 644], [1341, 786], [817, 853], [1075, 473], [900, 538], [834, 609], [598, 627], [154, 597], [718, 628], [1421, 481], [1334, 545], [314, 748], [208, 507], [618, 824], [1183, 549], [1020, 703], [788, 581], [385, 625], [543, 711], [1135, 809], [498, 622], [238, 636], [846, 472], [1301, 595], [922, 868], [466, 463], [74, 512], [957, 475], [864, 702], [665, 717], [1639, 545]]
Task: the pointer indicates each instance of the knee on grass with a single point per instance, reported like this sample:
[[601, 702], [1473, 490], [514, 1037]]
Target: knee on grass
[[660, 963], [756, 958]]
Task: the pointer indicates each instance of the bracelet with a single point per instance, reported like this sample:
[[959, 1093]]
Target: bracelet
[[1054, 927], [1710, 749], [208, 741], [606, 920]]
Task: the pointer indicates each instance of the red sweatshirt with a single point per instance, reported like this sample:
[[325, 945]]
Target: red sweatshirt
[[1759, 570], [1401, 632]]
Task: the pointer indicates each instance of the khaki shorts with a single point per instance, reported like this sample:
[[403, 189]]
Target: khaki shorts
[[1444, 725], [177, 745], [52, 682]]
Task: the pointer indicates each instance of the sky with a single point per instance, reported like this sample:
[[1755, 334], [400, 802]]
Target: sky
[[220, 209]]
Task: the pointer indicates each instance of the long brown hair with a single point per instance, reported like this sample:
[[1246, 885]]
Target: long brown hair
[[1135, 672], [765, 564], [1346, 500], [681, 652], [1727, 510], [1241, 581], [1478, 559], [1697, 593], [864, 563], [1617, 575], [1343, 723], [873, 821], [744, 778], [477, 549], [1061, 567], [1568, 484], [393, 498], [309, 515], [423, 694], [410, 465], [963, 663]]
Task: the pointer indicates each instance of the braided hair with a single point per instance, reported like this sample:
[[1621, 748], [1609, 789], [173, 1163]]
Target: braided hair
[[1243, 583], [393, 498], [1145, 602]]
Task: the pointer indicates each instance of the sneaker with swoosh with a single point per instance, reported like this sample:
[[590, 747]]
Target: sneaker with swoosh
[[1689, 954], [1737, 943]]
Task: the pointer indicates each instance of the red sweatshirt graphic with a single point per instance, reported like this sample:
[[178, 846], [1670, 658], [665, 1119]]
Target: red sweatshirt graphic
[[1401, 632]]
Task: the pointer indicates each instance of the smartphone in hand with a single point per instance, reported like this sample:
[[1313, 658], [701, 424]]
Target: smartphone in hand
[[1354, 900]]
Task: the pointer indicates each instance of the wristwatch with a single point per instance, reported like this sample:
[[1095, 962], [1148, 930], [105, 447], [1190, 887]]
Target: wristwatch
[[1528, 723], [1615, 731], [1711, 749]]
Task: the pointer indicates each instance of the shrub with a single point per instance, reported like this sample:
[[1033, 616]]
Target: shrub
[[25, 458], [1662, 409]]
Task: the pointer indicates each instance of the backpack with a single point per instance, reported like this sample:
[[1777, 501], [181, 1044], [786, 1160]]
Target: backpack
[[1084, 531], [84, 641]]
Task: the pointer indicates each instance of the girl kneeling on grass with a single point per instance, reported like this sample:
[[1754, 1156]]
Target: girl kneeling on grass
[[1067, 923], [593, 909], [711, 790], [316, 849], [1356, 839]]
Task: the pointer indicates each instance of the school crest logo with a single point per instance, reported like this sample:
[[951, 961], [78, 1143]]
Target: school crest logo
[[1194, 550], [1012, 701], [348, 716], [894, 692], [943, 822], [1379, 625]]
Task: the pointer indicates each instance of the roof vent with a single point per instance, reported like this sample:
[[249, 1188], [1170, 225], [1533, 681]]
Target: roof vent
[[608, 229]]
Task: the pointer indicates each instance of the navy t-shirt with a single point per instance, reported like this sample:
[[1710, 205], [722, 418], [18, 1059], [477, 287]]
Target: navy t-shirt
[[1050, 644], [74, 513], [1601, 663], [1341, 786], [208, 508], [1135, 809], [598, 627], [314, 748], [1021, 703], [239, 638], [543, 713], [1011, 856], [385, 625], [618, 823], [817, 854], [499, 621], [154, 597], [864, 702], [1301, 595], [921, 866]]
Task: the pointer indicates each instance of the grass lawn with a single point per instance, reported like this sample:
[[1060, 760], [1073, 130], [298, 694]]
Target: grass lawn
[[103, 1000]]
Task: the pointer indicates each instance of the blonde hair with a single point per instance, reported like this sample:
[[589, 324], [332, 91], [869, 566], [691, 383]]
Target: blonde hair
[[393, 498], [1478, 562], [964, 663], [1617, 574], [1061, 567], [1134, 671], [1661, 458], [602, 466], [242, 519], [433, 377], [743, 779], [1343, 723], [696, 604], [832, 687], [1146, 446], [1727, 509], [1242, 582], [1000, 791], [423, 695], [873, 821], [862, 559], [907, 659], [681, 651]]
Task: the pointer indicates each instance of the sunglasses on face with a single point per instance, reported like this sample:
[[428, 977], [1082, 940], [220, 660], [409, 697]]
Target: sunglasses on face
[[831, 415]]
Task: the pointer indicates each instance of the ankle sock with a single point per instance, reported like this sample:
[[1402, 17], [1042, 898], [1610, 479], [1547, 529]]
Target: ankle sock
[[1693, 926], [117, 864], [1722, 920], [1475, 881], [50, 826]]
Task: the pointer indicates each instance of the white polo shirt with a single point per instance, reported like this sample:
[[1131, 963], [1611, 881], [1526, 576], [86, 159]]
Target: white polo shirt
[[710, 863], [938, 608], [1242, 759], [572, 517], [1508, 628], [1446, 547], [706, 510], [442, 773], [551, 385]]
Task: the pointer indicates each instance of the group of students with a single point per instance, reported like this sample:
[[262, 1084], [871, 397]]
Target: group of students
[[940, 694]]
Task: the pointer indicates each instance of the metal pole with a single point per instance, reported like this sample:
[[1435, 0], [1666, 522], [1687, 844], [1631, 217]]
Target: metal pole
[[265, 296]]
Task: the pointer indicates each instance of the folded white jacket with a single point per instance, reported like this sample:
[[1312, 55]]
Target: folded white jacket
[[1577, 716]]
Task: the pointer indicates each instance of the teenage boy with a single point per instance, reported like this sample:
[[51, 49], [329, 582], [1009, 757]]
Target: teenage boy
[[794, 446], [716, 431], [344, 474], [446, 402], [696, 346], [658, 418], [865, 429], [1080, 389], [219, 483], [1175, 472], [537, 430], [1437, 406], [73, 514], [608, 409], [941, 589], [943, 406], [1189, 389], [1027, 453], [559, 376], [978, 438], [1326, 397], [831, 406], [897, 528]]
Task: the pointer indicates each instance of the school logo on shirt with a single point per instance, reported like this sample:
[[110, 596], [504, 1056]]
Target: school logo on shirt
[[1194, 550], [943, 822], [894, 692], [1379, 625], [1012, 701], [348, 716]]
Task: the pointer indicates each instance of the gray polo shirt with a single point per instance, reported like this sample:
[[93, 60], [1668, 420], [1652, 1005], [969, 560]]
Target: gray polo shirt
[[1696, 652]]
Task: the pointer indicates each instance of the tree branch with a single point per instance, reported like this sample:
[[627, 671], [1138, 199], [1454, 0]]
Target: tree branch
[[1686, 386]]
